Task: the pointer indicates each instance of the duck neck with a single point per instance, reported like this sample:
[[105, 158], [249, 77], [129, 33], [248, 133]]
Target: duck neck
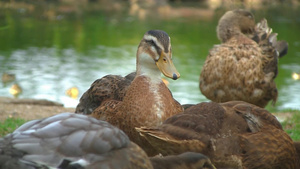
[[146, 66]]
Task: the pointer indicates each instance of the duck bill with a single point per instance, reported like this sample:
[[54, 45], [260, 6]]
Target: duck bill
[[166, 66]]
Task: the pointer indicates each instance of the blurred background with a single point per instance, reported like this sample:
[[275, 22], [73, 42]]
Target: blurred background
[[56, 49]]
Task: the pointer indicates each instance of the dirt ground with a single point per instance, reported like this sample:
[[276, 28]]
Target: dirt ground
[[29, 109]]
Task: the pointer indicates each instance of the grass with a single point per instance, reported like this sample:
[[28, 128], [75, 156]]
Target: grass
[[10, 124], [292, 125]]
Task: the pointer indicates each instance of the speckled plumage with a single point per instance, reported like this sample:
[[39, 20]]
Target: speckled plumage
[[233, 134], [244, 66]]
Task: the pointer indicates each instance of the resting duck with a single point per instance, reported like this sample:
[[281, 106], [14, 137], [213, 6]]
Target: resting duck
[[244, 66], [109, 87], [233, 134], [71, 140], [148, 101]]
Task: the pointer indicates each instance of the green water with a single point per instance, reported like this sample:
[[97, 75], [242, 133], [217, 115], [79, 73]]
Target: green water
[[50, 53]]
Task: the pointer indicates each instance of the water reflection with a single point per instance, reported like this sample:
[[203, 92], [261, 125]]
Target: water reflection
[[50, 56], [42, 74]]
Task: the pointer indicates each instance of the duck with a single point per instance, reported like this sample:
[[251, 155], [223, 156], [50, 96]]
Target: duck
[[147, 101], [233, 134], [243, 67], [69, 140]]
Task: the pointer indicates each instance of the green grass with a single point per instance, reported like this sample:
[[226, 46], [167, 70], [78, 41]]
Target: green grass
[[9, 125], [292, 125]]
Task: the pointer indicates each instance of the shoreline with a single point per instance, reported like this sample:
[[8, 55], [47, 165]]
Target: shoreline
[[30, 109]]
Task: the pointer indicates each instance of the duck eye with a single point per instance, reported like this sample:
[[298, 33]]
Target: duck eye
[[151, 42], [165, 60]]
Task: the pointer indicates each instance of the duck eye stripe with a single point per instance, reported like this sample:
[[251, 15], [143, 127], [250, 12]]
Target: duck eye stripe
[[152, 43]]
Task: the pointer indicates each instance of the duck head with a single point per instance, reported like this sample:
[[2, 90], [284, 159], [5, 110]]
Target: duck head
[[154, 56], [235, 22]]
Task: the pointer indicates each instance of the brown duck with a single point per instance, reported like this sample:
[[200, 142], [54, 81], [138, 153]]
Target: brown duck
[[233, 134], [244, 66], [148, 101]]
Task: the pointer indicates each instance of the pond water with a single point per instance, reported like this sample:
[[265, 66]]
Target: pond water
[[51, 48]]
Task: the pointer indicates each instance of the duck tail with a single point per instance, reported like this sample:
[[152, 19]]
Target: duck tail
[[282, 47], [271, 47], [263, 35], [166, 143]]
